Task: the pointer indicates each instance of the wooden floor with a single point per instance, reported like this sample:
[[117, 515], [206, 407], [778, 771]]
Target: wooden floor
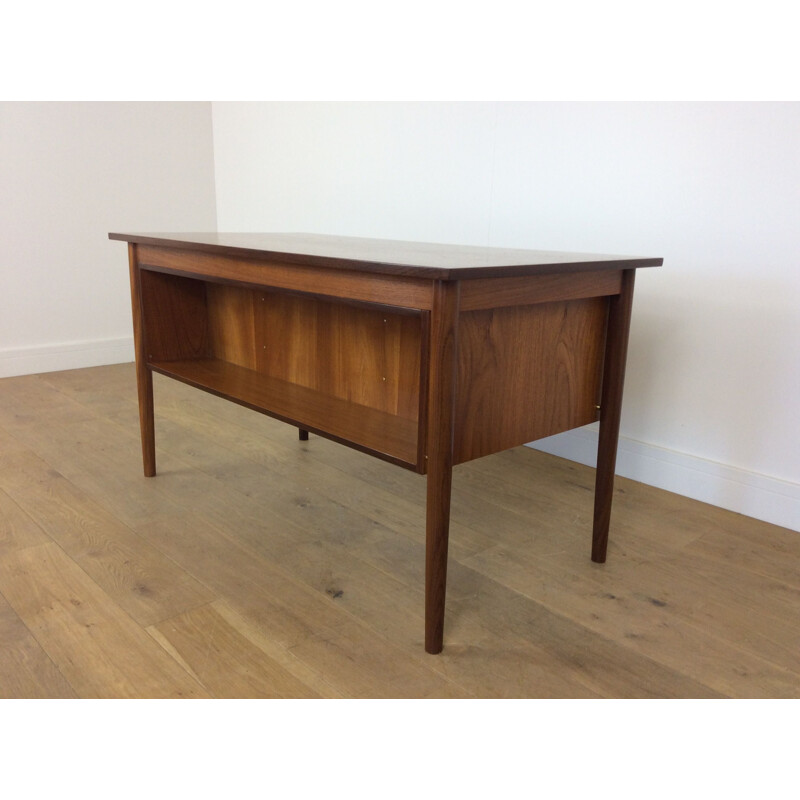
[[255, 565]]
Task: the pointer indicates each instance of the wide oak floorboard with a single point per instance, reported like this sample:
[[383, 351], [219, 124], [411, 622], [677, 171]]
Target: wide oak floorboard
[[255, 565]]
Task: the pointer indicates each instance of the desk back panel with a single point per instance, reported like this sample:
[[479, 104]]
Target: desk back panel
[[363, 354]]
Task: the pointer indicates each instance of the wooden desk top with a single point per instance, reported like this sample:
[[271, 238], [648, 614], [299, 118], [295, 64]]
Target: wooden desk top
[[417, 259]]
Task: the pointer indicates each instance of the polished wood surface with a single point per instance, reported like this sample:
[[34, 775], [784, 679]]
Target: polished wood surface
[[388, 436], [367, 342], [367, 287], [367, 355], [526, 372], [488, 293], [619, 321], [258, 567], [441, 426], [231, 317], [144, 378], [375, 256], [175, 322]]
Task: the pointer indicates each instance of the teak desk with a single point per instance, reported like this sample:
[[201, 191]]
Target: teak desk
[[424, 355]]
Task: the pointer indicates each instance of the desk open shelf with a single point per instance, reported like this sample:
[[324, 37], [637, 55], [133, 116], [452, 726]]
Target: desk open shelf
[[385, 435], [351, 372]]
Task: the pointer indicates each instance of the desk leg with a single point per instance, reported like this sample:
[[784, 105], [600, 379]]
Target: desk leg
[[144, 376], [303, 435], [441, 388], [619, 320]]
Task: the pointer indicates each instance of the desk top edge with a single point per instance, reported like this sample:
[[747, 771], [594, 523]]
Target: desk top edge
[[417, 259]]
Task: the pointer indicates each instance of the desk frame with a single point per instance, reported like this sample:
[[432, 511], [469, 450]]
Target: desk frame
[[475, 360]]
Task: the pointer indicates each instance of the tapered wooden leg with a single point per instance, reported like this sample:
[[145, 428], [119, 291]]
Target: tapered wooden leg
[[144, 376], [437, 535], [303, 435], [442, 381], [144, 380], [619, 320]]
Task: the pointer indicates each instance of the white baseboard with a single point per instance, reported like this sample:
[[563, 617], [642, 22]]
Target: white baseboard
[[748, 493], [70, 355]]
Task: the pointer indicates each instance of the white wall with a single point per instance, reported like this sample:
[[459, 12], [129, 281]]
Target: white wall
[[69, 174], [711, 403]]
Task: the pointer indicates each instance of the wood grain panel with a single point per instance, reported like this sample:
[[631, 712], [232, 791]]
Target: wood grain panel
[[175, 317], [375, 359], [349, 284], [500, 292], [526, 372], [368, 356], [231, 323], [287, 335]]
